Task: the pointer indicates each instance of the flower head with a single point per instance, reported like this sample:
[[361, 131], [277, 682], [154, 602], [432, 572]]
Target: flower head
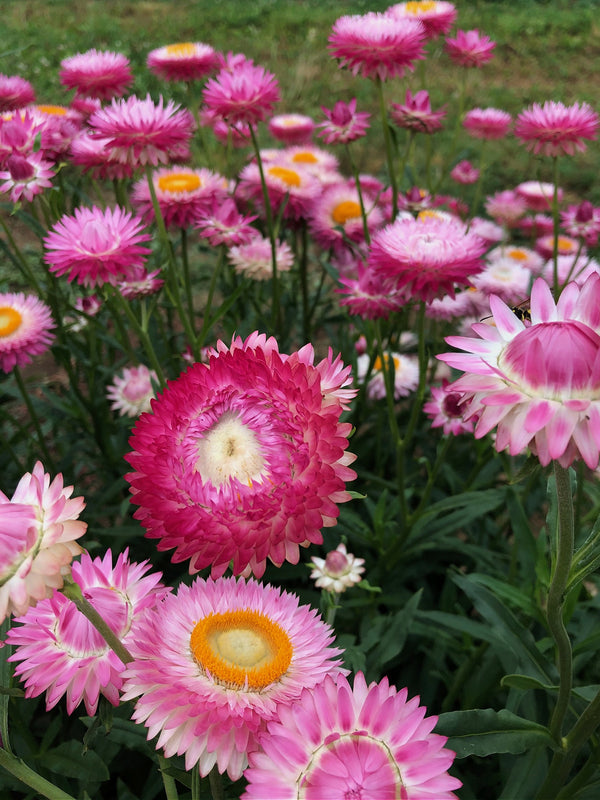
[[344, 123], [59, 650], [25, 329], [470, 48], [140, 283], [406, 374], [514, 381], [132, 390], [336, 217], [255, 260], [97, 73], [445, 411], [15, 92], [217, 661], [416, 114], [368, 295], [26, 176], [38, 528], [342, 741], [487, 123], [223, 224], [246, 94], [244, 457], [290, 187], [184, 61], [582, 220], [292, 128], [337, 571], [437, 16], [538, 195], [555, 129], [464, 172], [506, 207]]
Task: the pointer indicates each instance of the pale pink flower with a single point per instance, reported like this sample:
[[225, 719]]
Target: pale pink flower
[[576, 267], [140, 283], [343, 123], [437, 16], [465, 304], [223, 224], [487, 230], [464, 172], [85, 308], [338, 571], [524, 256], [97, 73], [15, 92], [244, 458], [504, 277], [25, 329], [254, 259], [582, 220], [406, 374], [132, 390], [336, 216], [445, 411], [26, 176], [536, 226], [38, 528], [470, 48], [288, 185], [538, 195], [292, 128], [506, 207], [59, 650], [246, 94], [416, 114], [184, 61], [514, 381], [565, 245], [555, 129], [487, 123], [343, 742], [217, 661], [313, 159]]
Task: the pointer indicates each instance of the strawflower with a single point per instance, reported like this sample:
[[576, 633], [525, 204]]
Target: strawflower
[[15, 92], [291, 128], [445, 411], [224, 224], [506, 207], [336, 216], [140, 283], [132, 390], [184, 61], [436, 16], [97, 73], [538, 195], [254, 259], [416, 114], [406, 374], [582, 220], [487, 123], [464, 172], [368, 295], [470, 48], [343, 123], [338, 571], [289, 187], [246, 94], [26, 176], [555, 129], [25, 329]]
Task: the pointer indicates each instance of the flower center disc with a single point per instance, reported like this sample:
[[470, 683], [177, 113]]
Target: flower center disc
[[242, 648], [288, 176], [229, 450], [181, 50], [420, 6], [345, 211], [59, 111], [179, 182], [10, 320], [305, 158]]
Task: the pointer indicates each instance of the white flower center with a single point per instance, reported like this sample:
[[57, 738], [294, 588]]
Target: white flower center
[[230, 450]]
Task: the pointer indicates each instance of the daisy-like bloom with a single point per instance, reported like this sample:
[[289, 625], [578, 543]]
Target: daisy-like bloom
[[85, 308], [361, 741], [336, 216], [292, 128], [38, 529], [428, 256], [377, 45], [538, 195], [337, 571], [132, 390], [416, 114], [437, 16], [576, 267], [470, 48], [487, 230], [183, 194], [245, 94], [368, 296], [506, 278], [25, 177], [95, 155], [25, 329], [59, 125], [244, 458], [343, 123], [566, 245], [506, 207], [445, 411], [95, 247], [141, 132], [217, 661], [140, 283], [18, 133], [313, 159], [514, 381], [555, 129], [96, 73], [464, 172], [223, 224], [487, 123], [406, 375], [254, 259], [287, 185], [59, 650], [536, 226], [524, 256], [582, 220], [184, 61], [15, 92]]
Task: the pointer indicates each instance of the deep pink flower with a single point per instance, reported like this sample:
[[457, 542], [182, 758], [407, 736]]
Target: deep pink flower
[[95, 247], [26, 176], [555, 129], [536, 226], [97, 73], [61, 653], [344, 123], [15, 92], [96, 155], [377, 45], [25, 329], [336, 216], [487, 123], [246, 94], [216, 662], [416, 114], [132, 390], [470, 48], [140, 283], [464, 172], [244, 458], [582, 220], [292, 128], [445, 411], [437, 16], [368, 295], [566, 245], [343, 742], [223, 224], [514, 381], [184, 61], [58, 125], [18, 133]]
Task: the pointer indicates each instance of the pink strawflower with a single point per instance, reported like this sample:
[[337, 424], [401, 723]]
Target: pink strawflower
[[18, 134], [223, 224], [504, 277], [445, 411], [555, 129], [536, 226], [415, 114], [538, 196], [464, 172], [38, 528], [95, 155], [254, 259], [59, 650], [582, 220], [487, 230], [132, 390], [524, 256], [470, 48], [97, 73], [466, 303], [343, 742], [566, 245], [576, 267], [313, 159], [487, 123], [183, 193], [217, 661], [58, 125], [368, 295], [292, 128], [26, 176], [140, 283], [246, 94], [141, 132], [288, 186], [344, 123], [85, 308], [437, 16], [338, 571], [184, 61], [428, 256], [506, 207], [377, 45], [25, 329], [15, 92], [336, 216], [244, 458], [95, 247], [406, 374], [514, 381]]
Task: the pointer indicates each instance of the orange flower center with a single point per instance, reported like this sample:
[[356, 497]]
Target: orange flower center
[[241, 649], [517, 255], [305, 157], [420, 6], [57, 111], [288, 176], [566, 245], [179, 182], [377, 365], [10, 320], [181, 50], [347, 209]]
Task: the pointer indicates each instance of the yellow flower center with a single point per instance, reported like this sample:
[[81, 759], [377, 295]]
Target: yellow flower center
[[181, 50], [566, 244], [241, 648], [10, 320], [420, 6], [516, 254], [377, 365], [305, 157], [429, 213], [347, 209], [57, 111], [288, 176], [179, 182]]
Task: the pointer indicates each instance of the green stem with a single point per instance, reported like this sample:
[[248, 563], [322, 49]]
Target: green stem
[[211, 291], [186, 273], [22, 261], [387, 135], [19, 769], [34, 418], [216, 784], [168, 782], [363, 212], [120, 301]]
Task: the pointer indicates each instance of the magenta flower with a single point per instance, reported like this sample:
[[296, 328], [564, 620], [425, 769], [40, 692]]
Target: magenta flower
[[95, 155], [487, 123], [132, 390], [470, 48], [555, 129], [464, 172], [95, 247], [416, 114], [15, 92], [184, 61], [38, 528], [437, 16], [514, 382], [18, 134], [244, 458], [538, 195], [254, 259], [246, 94], [377, 45], [342, 741], [506, 207], [62, 654], [223, 224], [97, 73], [217, 661], [25, 329], [140, 283], [290, 187], [26, 176], [344, 123], [292, 128], [336, 216], [368, 295], [582, 220], [444, 410]]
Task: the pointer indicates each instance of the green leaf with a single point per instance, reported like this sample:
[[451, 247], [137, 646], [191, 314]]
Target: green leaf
[[69, 759], [452, 513], [396, 630], [526, 682]]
